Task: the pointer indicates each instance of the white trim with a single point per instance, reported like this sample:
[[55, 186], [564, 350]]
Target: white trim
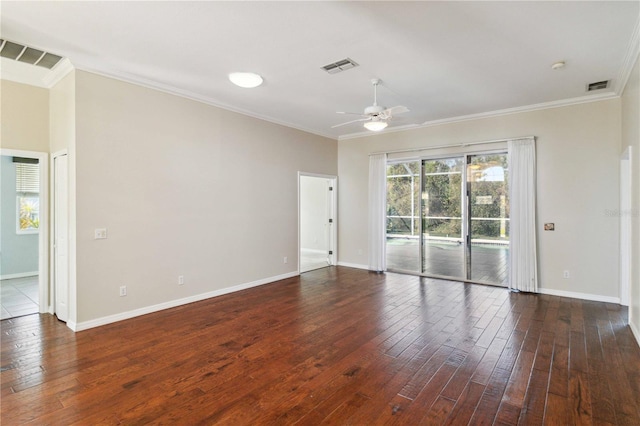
[[353, 265], [19, 275], [33, 75], [43, 235], [489, 114], [85, 325], [315, 251], [626, 185], [58, 72], [575, 295], [633, 50], [635, 332]]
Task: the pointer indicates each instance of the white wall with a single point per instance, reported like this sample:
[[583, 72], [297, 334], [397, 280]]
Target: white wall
[[578, 149], [631, 137], [184, 189], [313, 213]]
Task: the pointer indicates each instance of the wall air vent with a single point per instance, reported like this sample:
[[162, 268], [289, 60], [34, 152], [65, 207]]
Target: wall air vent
[[598, 85], [340, 66], [28, 55]]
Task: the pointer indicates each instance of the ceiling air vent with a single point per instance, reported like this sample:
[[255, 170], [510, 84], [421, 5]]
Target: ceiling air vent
[[598, 85], [28, 55], [340, 66]]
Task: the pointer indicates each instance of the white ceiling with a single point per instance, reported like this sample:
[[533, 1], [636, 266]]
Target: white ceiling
[[442, 60]]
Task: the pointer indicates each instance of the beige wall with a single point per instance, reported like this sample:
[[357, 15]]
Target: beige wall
[[631, 137], [62, 113], [183, 189], [24, 116], [578, 149], [62, 104]]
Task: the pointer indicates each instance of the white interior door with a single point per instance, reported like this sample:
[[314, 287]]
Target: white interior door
[[61, 237]]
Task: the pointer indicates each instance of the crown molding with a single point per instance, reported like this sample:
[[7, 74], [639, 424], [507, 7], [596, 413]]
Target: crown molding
[[149, 84], [633, 51], [489, 114], [58, 72]]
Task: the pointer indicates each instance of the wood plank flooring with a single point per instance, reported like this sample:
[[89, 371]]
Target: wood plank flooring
[[333, 346]]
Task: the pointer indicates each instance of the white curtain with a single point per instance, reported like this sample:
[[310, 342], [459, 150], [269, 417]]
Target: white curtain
[[523, 265], [377, 212]]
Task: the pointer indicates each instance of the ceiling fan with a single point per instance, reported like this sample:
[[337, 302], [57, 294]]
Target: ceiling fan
[[376, 117]]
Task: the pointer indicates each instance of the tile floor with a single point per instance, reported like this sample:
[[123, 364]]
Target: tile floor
[[19, 296]]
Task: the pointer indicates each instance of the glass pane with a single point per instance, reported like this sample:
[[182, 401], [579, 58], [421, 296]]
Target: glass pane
[[403, 208], [28, 213], [489, 206], [443, 249]]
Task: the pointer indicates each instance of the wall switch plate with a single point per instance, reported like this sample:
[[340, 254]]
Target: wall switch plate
[[123, 290], [285, 260], [180, 279], [100, 234]]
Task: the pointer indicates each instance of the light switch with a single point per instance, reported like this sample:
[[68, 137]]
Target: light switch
[[100, 234]]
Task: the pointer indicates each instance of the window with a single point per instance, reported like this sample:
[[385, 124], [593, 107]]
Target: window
[[28, 196]]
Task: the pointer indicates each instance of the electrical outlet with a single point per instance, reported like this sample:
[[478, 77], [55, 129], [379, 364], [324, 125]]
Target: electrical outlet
[[285, 260], [100, 234], [566, 274], [123, 290], [180, 279]]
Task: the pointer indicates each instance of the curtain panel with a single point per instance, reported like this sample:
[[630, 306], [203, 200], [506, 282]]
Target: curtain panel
[[523, 263], [377, 212]]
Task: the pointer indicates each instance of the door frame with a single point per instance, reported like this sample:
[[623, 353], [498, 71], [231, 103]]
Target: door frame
[[52, 260], [626, 179], [44, 303], [333, 211]]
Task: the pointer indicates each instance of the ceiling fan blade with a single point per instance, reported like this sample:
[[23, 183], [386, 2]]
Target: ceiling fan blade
[[349, 122], [352, 113], [399, 109]]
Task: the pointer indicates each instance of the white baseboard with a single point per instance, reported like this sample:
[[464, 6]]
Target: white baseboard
[[575, 295], [19, 275], [635, 332], [85, 325], [353, 265], [313, 251]]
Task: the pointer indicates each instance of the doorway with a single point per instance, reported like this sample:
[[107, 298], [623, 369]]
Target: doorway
[[23, 261], [448, 217], [316, 219]]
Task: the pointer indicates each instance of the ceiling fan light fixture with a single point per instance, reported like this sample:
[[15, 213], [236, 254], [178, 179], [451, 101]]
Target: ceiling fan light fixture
[[248, 80], [375, 125]]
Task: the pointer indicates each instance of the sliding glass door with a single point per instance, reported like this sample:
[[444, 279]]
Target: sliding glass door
[[449, 217], [488, 205], [443, 250]]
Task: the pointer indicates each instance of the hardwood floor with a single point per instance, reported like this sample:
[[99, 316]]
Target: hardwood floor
[[335, 346]]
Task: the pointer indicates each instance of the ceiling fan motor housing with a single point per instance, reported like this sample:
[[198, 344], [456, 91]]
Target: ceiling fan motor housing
[[374, 110]]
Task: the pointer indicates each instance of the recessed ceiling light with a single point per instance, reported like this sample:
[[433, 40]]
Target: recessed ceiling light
[[558, 65], [247, 80]]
